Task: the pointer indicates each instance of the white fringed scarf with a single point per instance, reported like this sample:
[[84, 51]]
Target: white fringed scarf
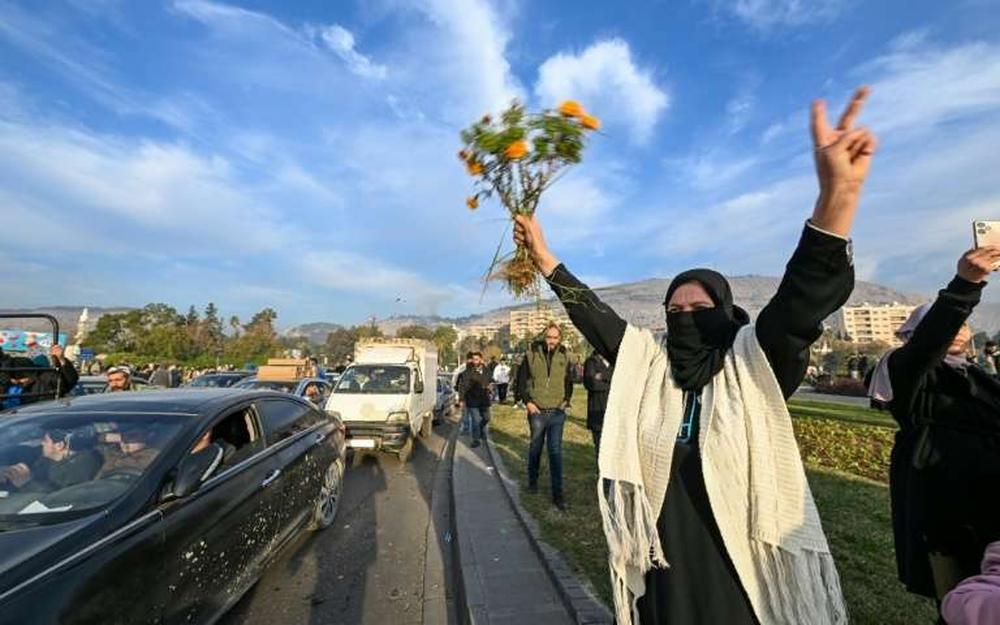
[[753, 474]]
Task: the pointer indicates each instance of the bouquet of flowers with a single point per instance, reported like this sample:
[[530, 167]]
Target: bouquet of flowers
[[516, 157]]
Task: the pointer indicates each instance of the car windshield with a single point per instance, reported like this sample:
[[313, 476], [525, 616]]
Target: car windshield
[[213, 381], [58, 466], [90, 387], [269, 385], [375, 380]]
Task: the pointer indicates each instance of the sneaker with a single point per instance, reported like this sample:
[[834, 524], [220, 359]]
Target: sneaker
[[475, 444]]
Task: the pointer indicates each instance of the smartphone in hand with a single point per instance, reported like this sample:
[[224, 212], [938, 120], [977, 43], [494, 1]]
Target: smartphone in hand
[[986, 233]]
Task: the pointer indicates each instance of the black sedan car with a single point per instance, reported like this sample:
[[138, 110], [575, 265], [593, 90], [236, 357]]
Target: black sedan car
[[156, 507]]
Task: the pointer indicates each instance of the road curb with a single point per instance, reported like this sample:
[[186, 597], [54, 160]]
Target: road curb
[[443, 606], [583, 605]]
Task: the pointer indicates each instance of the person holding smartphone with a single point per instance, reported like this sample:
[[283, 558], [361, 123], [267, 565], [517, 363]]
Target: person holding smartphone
[[945, 464], [704, 501]]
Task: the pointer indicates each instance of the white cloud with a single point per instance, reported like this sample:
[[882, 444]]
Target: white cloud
[[711, 168], [917, 85], [607, 80], [766, 15], [341, 41]]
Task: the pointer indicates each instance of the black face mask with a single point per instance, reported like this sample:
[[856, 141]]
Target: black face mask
[[697, 342]]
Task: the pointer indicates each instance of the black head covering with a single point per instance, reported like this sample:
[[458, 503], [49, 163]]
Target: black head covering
[[697, 342]]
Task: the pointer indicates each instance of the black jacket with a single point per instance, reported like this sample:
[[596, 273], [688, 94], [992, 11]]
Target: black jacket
[[597, 380], [945, 463], [474, 386]]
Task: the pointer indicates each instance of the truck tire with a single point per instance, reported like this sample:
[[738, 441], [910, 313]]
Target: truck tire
[[406, 451]]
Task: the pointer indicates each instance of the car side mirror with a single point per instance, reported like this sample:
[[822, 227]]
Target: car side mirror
[[418, 387], [195, 469]]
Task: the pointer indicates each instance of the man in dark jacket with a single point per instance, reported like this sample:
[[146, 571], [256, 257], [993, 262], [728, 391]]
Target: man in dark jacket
[[597, 380], [545, 385], [474, 390], [27, 383]]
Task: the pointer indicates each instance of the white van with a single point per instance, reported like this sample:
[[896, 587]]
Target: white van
[[388, 394]]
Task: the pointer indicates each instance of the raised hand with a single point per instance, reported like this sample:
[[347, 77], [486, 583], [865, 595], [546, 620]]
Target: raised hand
[[528, 233], [843, 157], [976, 265]]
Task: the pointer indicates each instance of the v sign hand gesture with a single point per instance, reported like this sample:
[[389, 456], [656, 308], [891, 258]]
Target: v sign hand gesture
[[843, 157]]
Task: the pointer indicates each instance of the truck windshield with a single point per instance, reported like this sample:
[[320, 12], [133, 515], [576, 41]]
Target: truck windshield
[[375, 380]]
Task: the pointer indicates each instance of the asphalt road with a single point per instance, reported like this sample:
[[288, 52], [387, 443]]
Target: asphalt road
[[386, 559], [808, 394]]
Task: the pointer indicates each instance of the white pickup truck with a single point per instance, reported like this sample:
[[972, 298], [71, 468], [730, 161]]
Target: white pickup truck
[[388, 395]]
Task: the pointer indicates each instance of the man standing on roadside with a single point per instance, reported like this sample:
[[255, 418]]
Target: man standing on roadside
[[474, 391], [545, 385], [501, 377], [597, 380]]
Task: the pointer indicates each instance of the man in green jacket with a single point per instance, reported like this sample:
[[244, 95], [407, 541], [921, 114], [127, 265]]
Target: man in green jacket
[[545, 385]]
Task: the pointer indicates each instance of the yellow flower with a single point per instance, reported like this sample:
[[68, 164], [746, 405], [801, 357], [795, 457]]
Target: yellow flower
[[474, 168], [517, 150], [590, 122], [571, 108], [472, 202]]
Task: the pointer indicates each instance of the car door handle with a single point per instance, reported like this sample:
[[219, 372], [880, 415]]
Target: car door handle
[[273, 475]]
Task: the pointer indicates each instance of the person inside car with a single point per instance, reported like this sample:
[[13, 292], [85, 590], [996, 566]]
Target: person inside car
[[134, 452], [315, 394], [66, 459]]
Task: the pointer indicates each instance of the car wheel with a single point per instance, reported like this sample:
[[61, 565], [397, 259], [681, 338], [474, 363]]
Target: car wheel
[[329, 497]]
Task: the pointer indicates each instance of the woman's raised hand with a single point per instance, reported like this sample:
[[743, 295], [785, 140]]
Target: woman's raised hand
[[843, 157], [528, 233], [976, 265]]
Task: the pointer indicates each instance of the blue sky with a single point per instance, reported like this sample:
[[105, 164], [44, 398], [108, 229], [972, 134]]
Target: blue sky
[[301, 155]]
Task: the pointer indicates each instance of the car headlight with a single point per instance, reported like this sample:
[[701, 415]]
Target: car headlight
[[398, 418]]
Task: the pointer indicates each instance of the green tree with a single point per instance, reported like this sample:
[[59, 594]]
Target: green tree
[[445, 338], [340, 344]]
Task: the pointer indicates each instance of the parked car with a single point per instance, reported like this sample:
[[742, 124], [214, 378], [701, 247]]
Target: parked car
[[217, 380], [445, 400], [91, 384], [175, 503]]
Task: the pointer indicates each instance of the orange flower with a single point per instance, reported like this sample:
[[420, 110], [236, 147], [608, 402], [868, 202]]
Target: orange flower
[[463, 155], [474, 168], [571, 108], [590, 122], [472, 202], [517, 150]]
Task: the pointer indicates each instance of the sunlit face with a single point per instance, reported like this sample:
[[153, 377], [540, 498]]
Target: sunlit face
[[960, 344], [118, 381], [552, 338], [477, 360], [690, 297]]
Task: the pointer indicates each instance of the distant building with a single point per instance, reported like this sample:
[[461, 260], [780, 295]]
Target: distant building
[[867, 323], [485, 331], [84, 326], [527, 323]]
